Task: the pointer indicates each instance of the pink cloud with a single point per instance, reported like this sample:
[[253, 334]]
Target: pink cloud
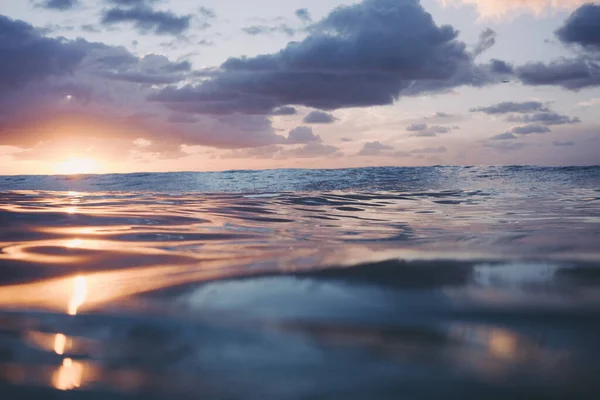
[[500, 8]]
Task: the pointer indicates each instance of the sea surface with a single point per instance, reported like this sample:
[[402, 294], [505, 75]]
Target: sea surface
[[373, 283]]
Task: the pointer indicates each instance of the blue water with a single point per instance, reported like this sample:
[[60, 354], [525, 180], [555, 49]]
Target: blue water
[[373, 283]]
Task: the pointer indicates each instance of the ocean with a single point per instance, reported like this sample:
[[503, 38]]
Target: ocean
[[371, 283]]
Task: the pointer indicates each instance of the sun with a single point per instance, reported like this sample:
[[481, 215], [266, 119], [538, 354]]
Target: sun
[[75, 166]]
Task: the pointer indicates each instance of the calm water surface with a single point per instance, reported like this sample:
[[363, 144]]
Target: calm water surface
[[377, 283]]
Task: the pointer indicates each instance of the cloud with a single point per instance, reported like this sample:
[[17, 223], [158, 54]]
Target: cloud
[[424, 130], [544, 118], [416, 127], [310, 150], [151, 69], [207, 12], [59, 5], [303, 15], [319, 117], [487, 39], [563, 144], [529, 129], [572, 74], [345, 61], [499, 8], [256, 30], [581, 29], [52, 90], [346, 139], [402, 154], [302, 135], [285, 110], [145, 20], [430, 150], [28, 57], [504, 136], [511, 107], [373, 149]]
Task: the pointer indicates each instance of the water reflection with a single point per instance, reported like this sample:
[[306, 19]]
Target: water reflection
[[68, 376], [78, 296], [115, 248], [60, 342]]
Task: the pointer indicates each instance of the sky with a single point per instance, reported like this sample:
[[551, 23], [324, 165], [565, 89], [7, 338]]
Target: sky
[[118, 86]]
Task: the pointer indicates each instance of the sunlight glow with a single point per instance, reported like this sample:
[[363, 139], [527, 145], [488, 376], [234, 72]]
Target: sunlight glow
[[79, 295], [68, 375], [75, 166], [60, 342]]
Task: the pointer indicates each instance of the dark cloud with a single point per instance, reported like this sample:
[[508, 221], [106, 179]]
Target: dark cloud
[[319, 117], [424, 130], [572, 74], [140, 77], [151, 69], [416, 127], [181, 66], [205, 42], [207, 12], [430, 150], [59, 5], [504, 136], [582, 27], [285, 110], [302, 135], [544, 118], [55, 89], [90, 28], [364, 54], [529, 129], [501, 67], [563, 144], [487, 39], [27, 56], [255, 30], [145, 19], [512, 107], [373, 149], [303, 15]]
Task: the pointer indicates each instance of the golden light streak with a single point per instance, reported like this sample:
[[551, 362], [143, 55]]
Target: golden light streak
[[60, 342], [79, 295], [68, 376]]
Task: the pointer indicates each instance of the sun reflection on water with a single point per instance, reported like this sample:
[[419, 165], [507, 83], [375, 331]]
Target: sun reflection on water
[[79, 295], [68, 376], [60, 342]]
